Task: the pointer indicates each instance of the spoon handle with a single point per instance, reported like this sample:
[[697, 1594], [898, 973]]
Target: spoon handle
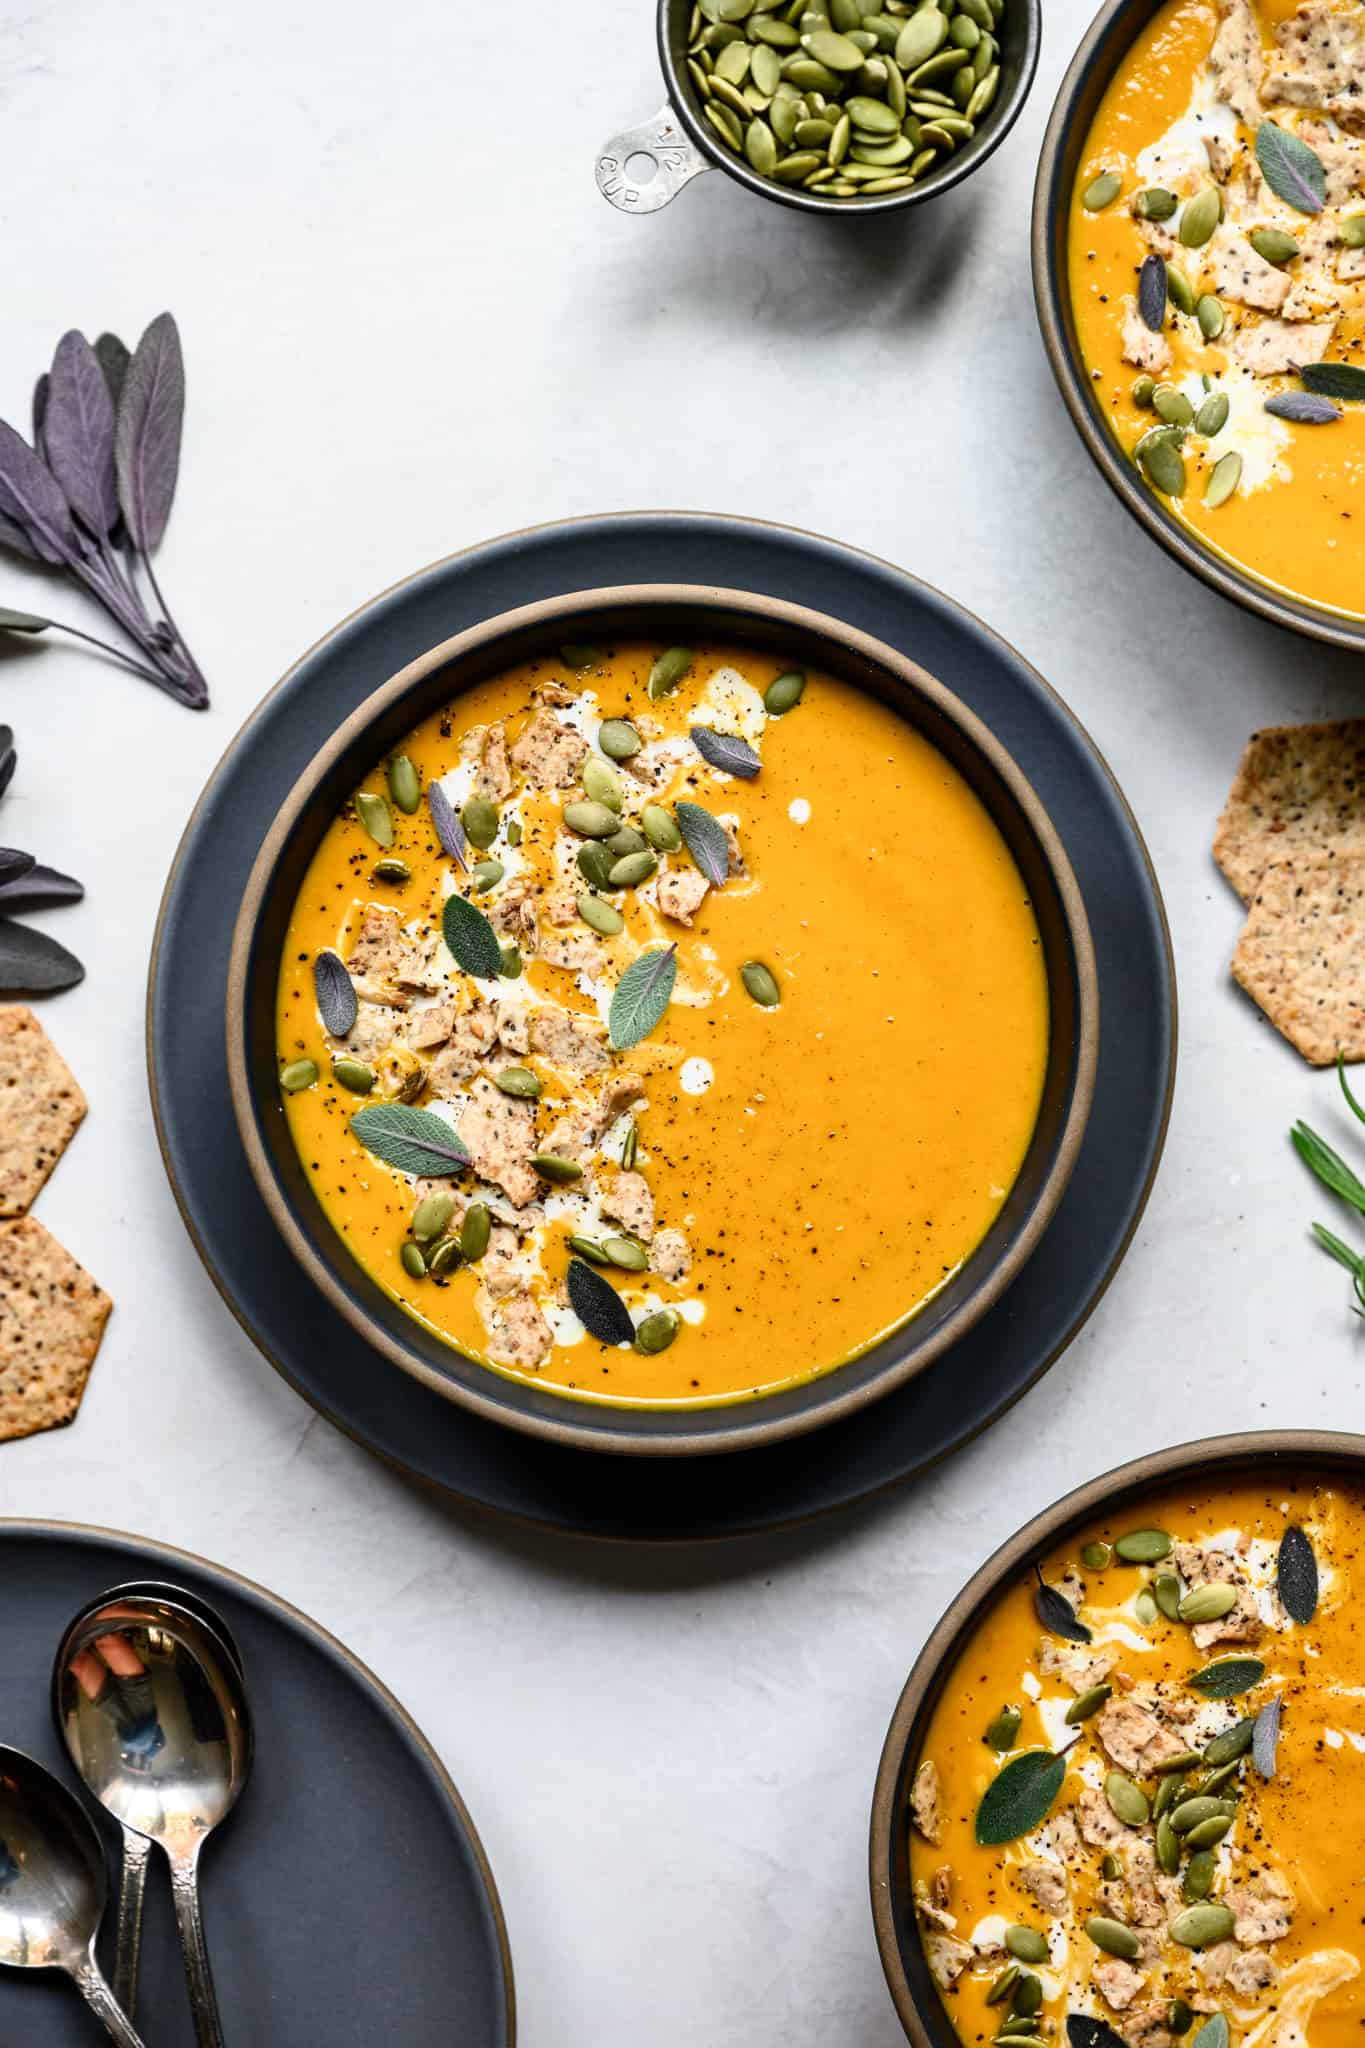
[[189, 1919], [132, 1891], [102, 2002]]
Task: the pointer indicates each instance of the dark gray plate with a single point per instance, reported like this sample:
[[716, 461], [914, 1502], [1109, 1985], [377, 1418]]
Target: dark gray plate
[[416, 1429], [347, 1899]]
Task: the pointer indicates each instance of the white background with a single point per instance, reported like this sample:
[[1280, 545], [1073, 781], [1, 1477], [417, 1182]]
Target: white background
[[411, 323]]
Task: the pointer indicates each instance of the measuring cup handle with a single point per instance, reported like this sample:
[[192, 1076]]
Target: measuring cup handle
[[676, 160]]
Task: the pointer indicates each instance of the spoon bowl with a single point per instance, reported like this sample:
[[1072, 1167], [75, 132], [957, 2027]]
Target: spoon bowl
[[53, 1885]]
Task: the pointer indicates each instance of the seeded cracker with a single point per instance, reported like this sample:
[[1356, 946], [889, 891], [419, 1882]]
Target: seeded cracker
[[1299, 792], [52, 1317], [41, 1108], [1301, 955]]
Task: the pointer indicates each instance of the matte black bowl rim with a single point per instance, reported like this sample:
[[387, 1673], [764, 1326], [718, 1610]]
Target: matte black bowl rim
[[1207, 1461], [1009, 104], [1106, 43], [722, 1427]]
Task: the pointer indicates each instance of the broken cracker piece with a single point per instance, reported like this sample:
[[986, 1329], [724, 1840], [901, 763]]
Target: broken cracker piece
[[41, 1108], [52, 1317], [1300, 954], [1298, 792]]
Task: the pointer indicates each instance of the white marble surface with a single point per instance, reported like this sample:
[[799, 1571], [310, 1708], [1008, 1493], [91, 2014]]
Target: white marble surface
[[411, 323]]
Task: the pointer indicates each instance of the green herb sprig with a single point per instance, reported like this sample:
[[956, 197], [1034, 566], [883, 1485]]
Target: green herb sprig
[[1341, 1179]]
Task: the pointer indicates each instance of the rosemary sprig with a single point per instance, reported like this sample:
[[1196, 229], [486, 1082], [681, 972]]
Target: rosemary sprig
[[1336, 1175]]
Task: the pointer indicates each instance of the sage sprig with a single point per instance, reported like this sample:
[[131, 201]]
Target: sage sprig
[[91, 496], [1341, 1179]]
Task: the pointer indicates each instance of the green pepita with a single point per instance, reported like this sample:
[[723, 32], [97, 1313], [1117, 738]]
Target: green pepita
[[1113, 1937], [1179, 290], [618, 739], [486, 875], [627, 840], [578, 656], [1232, 1743], [509, 963], [1172, 406], [668, 671], [1179, 2017], [601, 783], [475, 1232], [1143, 1546], [392, 871], [1190, 1812], [1101, 191], [1166, 1591], [627, 1253], [761, 983], [1211, 1602], [1097, 1557], [657, 1331], [353, 1074], [1027, 1944], [376, 817], [1201, 1926], [595, 862], [1199, 1875], [520, 1082], [633, 868], [1002, 1985], [1200, 217], [1273, 245], [553, 1166], [413, 1263], [1163, 465], [1028, 1995], [1352, 231], [1089, 1703], [443, 1256], [1224, 478], [1167, 1846], [1208, 1832], [591, 820], [1154, 202], [298, 1075], [588, 1248], [480, 820], [602, 917], [660, 828], [1126, 1799], [1145, 1607], [405, 784], [1001, 1732], [431, 1216], [1209, 313], [1169, 1792]]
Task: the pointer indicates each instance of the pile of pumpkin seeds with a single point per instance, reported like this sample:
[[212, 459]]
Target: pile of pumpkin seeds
[[845, 98]]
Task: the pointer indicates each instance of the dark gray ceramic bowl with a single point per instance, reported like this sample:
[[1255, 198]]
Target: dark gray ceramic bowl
[[1212, 1461], [678, 144], [668, 614], [1110, 37]]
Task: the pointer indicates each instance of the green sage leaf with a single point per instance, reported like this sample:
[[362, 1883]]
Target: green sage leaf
[[706, 841], [414, 1140], [1292, 170], [472, 941], [1334, 380], [1227, 1676], [1017, 1800], [21, 622], [642, 995]]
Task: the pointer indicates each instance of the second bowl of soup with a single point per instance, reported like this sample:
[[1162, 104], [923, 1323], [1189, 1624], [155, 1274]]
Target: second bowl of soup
[[662, 1020]]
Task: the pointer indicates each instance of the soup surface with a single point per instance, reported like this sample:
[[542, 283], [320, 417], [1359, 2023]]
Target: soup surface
[[1177, 133], [773, 1184], [1119, 1899]]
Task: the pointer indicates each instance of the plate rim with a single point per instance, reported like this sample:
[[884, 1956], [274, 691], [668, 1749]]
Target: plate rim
[[39, 1527], [932, 598]]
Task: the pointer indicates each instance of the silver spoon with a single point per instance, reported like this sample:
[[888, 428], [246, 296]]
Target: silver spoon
[[158, 1597], [53, 1886], [153, 1710]]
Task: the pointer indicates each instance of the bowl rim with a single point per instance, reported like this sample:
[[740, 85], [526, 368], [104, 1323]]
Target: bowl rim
[[1202, 1457], [959, 166], [1282, 608], [611, 1429]]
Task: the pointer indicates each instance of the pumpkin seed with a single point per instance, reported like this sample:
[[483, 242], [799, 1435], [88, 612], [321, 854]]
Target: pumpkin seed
[[588, 1248], [761, 983], [1200, 217], [1089, 1703], [1113, 1937], [353, 1074], [595, 862], [657, 1332], [1143, 1546], [1172, 406], [1210, 1602], [1163, 465], [413, 1264], [602, 917], [1208, 1832], [1111, 1870], [785, 692], [431, 1216], [475, 1232], [509, 963], [1002, 1731], [725, 124], [299, 1074], [591, 820], [552, 1166], [486, 875], [1199, 1875], [405, 784], [1167, 1846], [1201, 1926], [660, 828], [760, 148], [1179, 290], [964, 34], [1018, 2040], [836, 52], [1233, 1742], [1126, 1799], [1209, 313], [668, 671], [520, 1082], [1017, 2028], [765, 69], [1183, 1760], [983, 99], [1179, 2017], [633, 868], [578, 656], [1096, 1557], [1143, 390], [1101, 191], [631, 1145], [1352, 230], [391, 870], [443, 1256], [1027, 1944], [1190, 1812], [1002, 1985], [1145, 1608], [627, 1253], [618, 739], [514, 832], [376, 817], [1224, 478], [601, 784], [1154, 202], [1273, 245], [480, 820], [1028, 1995], [1166, 1591], [1216, 1780]]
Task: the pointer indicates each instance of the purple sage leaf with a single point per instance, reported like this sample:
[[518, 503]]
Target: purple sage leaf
[[338, 1003], [1296, 1569], [33, 964], [78, 434], [598, 1306], [13, 536], [14, 864], [1151, 293], [1057, 1614], [1303, 407], [32, 500], [113, 357], [40, 889], [151, 412], [40, 391], [725, 751], [8, 758], [706, 842], [1292, 170], [449, 830], [1265, 1737]]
